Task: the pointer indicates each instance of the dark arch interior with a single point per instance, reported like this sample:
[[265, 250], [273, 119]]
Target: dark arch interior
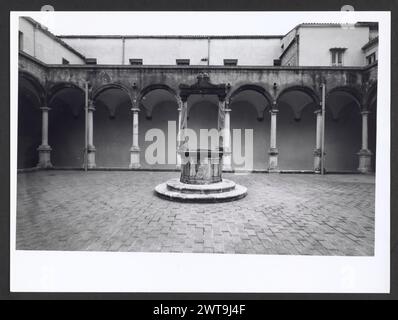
[[66, 128], [296, 127], [296, 131], [159, 111], [203, 115], [250, 112], [113, 122], [29, 124], [372, 131], [343, 128]]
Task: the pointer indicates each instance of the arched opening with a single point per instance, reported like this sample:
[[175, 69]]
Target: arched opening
[[249, 111], [372, 124], [29, 121], [343, 127], [296, 130], [203, 119], [66, 126], [113, 126], [158, 108]]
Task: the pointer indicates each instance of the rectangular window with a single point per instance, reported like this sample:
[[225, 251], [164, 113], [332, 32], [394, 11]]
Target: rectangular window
[[20, 39], [182, 62], [64, 61], [230, 62], [277, 62], [136, 62], [371, 58], [337, 56]]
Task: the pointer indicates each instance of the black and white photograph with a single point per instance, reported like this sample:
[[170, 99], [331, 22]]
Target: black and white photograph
[[201, 140]]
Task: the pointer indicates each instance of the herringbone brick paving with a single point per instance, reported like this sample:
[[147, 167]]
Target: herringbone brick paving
[[118, 211]]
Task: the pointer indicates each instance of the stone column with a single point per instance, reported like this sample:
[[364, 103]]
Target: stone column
[[227, 161], [365, 155], [44, 149], [273, 150], [90, 146], [224, 133], [318, 144], [135, 148]]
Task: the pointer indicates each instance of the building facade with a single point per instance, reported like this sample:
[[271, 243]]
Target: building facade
[[95, 99]]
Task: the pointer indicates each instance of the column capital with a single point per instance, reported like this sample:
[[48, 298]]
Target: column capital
[[45, 108], [318, 152], [91, 106], [135, 149], [221, 98], [183, 98], [318, 111], [273, 151], [365, 112], [44, 148], [135, 109], [227, 110]]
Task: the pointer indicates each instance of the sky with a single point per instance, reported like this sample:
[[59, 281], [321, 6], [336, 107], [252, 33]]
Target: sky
[[182, 23]]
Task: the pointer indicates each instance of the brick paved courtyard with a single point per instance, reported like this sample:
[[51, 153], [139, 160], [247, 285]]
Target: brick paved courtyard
[[118, 211]]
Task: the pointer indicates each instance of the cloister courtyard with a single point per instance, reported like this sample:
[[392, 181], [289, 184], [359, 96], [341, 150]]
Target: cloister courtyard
[[295, 214]]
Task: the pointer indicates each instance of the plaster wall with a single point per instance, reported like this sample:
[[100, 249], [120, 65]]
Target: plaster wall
[[43, 47], [315, 44], [158, 51]]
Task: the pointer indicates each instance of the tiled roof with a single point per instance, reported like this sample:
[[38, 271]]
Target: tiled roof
[[370, 43]]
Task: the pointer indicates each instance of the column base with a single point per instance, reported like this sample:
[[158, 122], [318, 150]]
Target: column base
[[273, 160], [91, 157], [134, 158], [44, 157], [365, 161], [317, 160]]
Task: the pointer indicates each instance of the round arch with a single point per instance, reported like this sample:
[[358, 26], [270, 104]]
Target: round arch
[[41, 92], [352, 92], [156, 86], [66, 124], [112, 125], [97, 91], [296, 127], [59, 86], [158, 105], [31, 97], [343, 128], [250, 130], [248, 104]]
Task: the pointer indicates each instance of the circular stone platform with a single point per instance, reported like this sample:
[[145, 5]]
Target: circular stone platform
[[226, 190], [201, 180]]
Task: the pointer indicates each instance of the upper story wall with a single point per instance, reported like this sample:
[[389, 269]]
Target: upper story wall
[[41, 44], [315, 43], [305, 45], [289, 54], [248, 51], [369, 49]]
